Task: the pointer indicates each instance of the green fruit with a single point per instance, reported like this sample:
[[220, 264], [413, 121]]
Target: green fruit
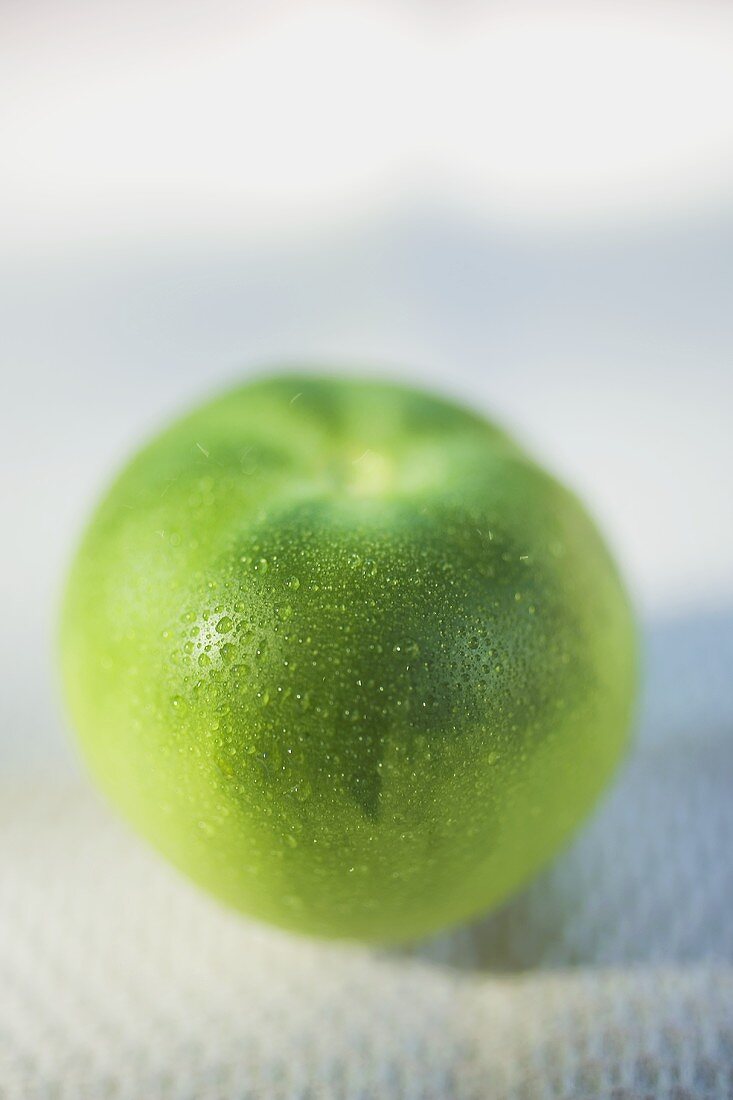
[[347, 656]]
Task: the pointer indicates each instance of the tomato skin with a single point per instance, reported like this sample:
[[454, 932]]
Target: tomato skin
[[347, 656]]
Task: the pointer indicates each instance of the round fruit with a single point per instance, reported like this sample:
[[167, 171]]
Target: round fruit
[[347, 656]]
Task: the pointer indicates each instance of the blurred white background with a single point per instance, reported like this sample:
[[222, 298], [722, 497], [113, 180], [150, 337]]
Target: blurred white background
[[526, 204]]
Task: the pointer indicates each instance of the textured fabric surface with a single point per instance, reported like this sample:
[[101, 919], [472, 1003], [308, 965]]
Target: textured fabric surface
[[610, 976]]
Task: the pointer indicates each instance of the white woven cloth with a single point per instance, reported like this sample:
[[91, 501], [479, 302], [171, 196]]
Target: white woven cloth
[[611, 976]]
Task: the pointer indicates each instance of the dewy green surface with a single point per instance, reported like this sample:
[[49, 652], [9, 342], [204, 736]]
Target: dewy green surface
[[345, 655]]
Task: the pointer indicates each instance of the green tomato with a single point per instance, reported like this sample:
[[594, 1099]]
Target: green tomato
[[348, 657]]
